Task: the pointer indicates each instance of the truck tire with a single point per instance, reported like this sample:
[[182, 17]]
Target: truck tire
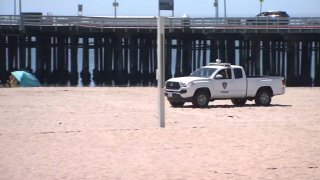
[[263, 98], [176, 103], [200, 99], [239, 101]]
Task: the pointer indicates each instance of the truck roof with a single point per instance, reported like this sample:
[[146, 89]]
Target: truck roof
[[219, 64]]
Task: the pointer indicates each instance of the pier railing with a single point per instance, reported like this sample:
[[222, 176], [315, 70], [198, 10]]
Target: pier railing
[[256, 24]]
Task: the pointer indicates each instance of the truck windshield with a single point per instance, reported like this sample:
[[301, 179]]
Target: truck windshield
[[203, 72]]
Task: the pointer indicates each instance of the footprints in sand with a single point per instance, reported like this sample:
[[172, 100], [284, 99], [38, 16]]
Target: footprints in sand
[[173, 148], [123, 130], [270, 168], [51, 132], [198, 127], [309, 167], [109, 130], [226, 173]]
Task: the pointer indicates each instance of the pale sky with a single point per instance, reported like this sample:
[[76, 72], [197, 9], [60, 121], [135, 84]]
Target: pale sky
[[194, 8]]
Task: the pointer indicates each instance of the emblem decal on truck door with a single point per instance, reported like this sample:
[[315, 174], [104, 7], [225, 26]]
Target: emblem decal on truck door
[[224, 85]]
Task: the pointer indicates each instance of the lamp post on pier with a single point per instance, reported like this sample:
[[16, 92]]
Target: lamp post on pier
[[225, 9], [216, 5], [14, 7], [261, 1], [21, 17], [115, 4], [20, 7]]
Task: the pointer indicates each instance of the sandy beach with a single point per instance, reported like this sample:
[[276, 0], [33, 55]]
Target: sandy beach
[[114, 133]]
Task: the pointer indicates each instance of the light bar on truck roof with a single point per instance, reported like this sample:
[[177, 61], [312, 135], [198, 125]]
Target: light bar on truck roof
[[218, 63]]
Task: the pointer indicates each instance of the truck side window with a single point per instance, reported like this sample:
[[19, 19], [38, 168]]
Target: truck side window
[[226, 73], [238, 73]]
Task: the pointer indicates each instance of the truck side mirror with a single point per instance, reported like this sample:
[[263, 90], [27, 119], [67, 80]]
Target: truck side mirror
[[219, 76]]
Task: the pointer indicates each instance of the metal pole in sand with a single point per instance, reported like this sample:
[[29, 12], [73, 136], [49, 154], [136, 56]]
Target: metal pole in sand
[[160, 70]]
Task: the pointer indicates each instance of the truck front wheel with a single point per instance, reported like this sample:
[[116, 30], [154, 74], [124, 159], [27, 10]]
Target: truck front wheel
[[263, 98], [200, 99], [239, 102]]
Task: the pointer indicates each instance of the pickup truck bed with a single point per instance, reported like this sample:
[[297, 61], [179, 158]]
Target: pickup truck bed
[[255, 82]]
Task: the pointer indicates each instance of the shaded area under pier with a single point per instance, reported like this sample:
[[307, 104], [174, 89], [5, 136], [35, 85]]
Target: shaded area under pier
[[129, 57]]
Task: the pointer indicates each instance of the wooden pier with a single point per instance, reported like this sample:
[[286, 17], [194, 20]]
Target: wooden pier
[[69, 50]]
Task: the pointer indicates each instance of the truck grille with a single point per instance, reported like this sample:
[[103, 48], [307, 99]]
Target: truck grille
[[172, 85]]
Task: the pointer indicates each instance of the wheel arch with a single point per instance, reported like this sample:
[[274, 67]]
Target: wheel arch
[[265, 88], [203, 89]]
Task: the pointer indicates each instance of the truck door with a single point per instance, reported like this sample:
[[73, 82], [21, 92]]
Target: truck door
[[223, 84], [240, 83]]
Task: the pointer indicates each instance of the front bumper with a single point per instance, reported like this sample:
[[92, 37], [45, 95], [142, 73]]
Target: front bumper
[[175, 95]]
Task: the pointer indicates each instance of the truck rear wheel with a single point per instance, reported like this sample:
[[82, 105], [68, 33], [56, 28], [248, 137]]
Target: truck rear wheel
[[239, 102], [176, 103], [200, 99], [263, 98]]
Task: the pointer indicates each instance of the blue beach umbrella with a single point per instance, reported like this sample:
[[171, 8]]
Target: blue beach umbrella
[[26, 79]]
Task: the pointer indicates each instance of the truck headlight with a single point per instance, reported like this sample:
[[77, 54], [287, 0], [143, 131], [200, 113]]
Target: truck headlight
[[187, 85], [190, 83]]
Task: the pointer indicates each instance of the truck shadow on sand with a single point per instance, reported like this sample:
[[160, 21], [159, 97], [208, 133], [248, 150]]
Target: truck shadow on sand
[[233, 106]]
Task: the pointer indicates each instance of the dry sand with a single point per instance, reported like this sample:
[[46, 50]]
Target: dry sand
[[113, 133]]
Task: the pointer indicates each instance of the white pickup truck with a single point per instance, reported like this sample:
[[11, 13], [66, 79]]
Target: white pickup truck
[[222, 81]]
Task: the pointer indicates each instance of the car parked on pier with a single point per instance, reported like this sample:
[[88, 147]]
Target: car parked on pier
[[273, 14], [270, 18]]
